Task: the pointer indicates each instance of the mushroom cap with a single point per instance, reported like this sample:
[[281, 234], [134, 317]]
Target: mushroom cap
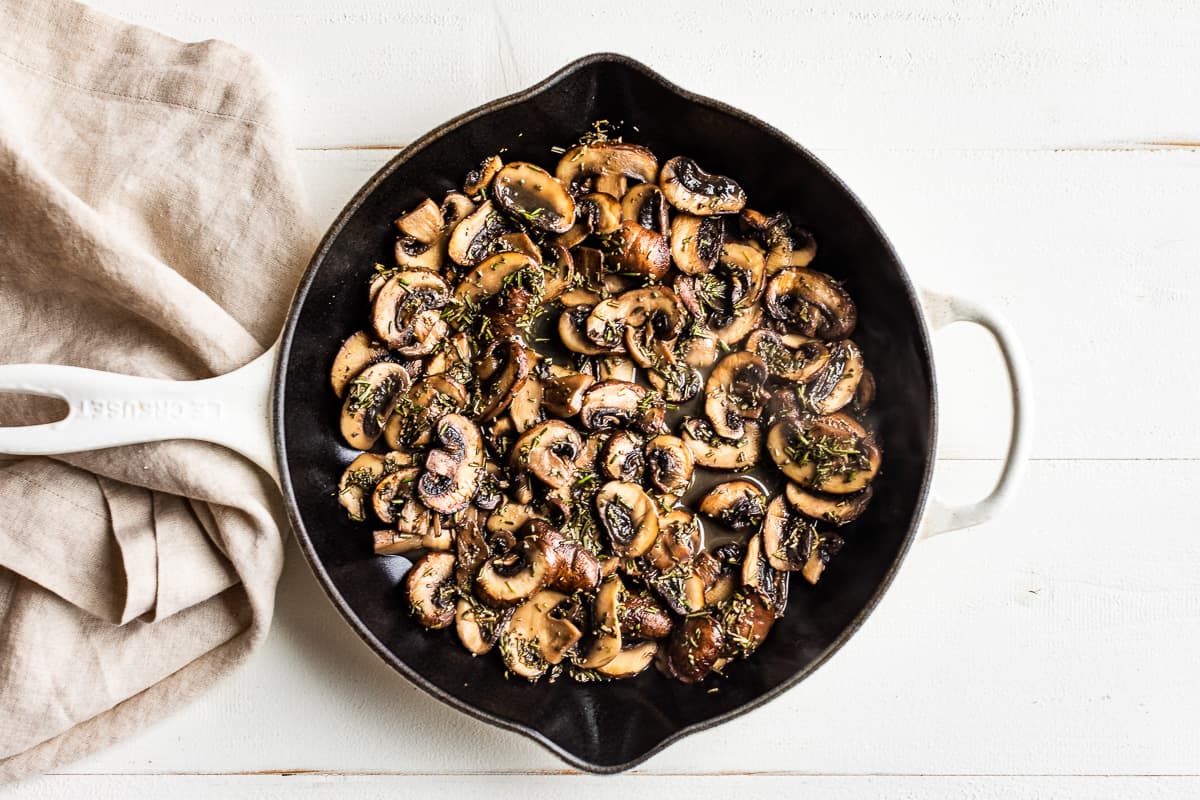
[[360, 478], [534, 638], [694, 648], [391, 497], [677, 543], [697, 192], [370, 401], [630, 661], [531, 193], [669, 464], [607, 158], [452, 471], [832, 454], [696, 242], [423, 223], [716, 452], [739, 504], [646, 205], [620, 404], [656, 307], [644, 252], [430, 590], [734, 391], [746, 618], [628, 516], [572, 325], [643, 617], [507, 579], [357, 353], [675, 381], [475, 235], [548, 450]]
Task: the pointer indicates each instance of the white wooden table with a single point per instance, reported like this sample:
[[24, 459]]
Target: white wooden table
[[1043, 157]]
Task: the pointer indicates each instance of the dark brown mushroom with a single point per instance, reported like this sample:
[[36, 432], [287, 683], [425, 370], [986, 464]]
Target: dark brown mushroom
[[430, 590], [535, 196], [646, 205], [720, 571], [628, 516], [361, 476], [642, 252], [810, 303], [639, 317], [370, 401], [595, 212], [734, 393], [745, 618], [836, 509], [678, 542], [694, 648], [572, 331], [758, 574], [800, 364], [864, 395], [788, 538], [833, 388], [697, 192], [474, 237], [738, 504], [621, 404], [832, 454], [609, 164], [507, 579], [393, 543], [392, 497], [675, 381], [696, 242], [563, 395], [426, 401], [643, 617], [669, 464], [631, 661], [479, 179], [452, 470], [496, 274]]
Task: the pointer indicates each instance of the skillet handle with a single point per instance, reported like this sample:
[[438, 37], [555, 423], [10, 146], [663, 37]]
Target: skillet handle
[[108, 409], [941, 310]]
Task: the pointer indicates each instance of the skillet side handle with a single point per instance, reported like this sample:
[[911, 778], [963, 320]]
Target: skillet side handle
[[941, 310], [107, 409]]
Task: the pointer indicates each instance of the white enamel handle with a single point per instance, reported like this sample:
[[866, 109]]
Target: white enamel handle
[[941, 310], [108, 409]]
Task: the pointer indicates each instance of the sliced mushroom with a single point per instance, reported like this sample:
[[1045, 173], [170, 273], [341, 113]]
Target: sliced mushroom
[[518, 243], [646, 205], [563, 395], [828, 545], [699, 351], [621, 404], [738, 504], [478, 626], [677, 543], [720, 572], [406, 313], [356, 354], [788, 538], [642, 252], [800, 364], [430, 589], [575, 568], [696, 242], [834, 509], [734, 393], [360, 478], [426, 401], [558, 268], [716, 452], [502, 369], [470, 547], [595, 212], [680, 587], [694, 648], [452, 471], [536, 636], [413, 255], [864, 395], [548, 450], [697, 192], [479, 179], [643, 617], [669, 464], [531, 193], [622, 457], [525, 410], [391, 497], [811, 303], [676, 382], [758, 574], [423, 223], [615, 367], [507, 579], [611, 163], [394, 543], [572, 331], [745, 618], [474, 238], [653, 307], [833, 388], [731, 335], [497, 273], [509, 518], [453, 359], [370, 401], [630, 661], [606, 622], [833, 454], [628, 516]]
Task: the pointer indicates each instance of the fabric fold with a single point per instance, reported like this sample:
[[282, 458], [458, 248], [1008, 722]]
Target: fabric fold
[[151, 223]]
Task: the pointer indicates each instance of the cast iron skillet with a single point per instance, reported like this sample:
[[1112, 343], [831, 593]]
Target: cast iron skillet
[[596, 727]]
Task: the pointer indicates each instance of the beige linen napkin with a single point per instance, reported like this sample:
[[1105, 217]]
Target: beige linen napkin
[[150, 223]]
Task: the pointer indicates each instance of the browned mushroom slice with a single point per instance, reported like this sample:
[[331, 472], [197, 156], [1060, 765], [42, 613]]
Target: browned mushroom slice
[[628, 516], [531, 193], [413, 255], [746, 618], [391, 497], [758, 574], [699, 351], [834, 509], [536, 637], [676, 382], [470, 546], [669, 464], [426, 401], [614, 367], [832, 454], [720, 572], [621, 404], [743, 266], [356, 354], [621, 457], [479, 179], [423, 223], [606, 624], [681, 588], [810, 303], [696, 242], [653, 307], [394, 543], [572, 331], [509, 518], [642, 252], [430, 589], [369, 402], [610, 163], [548, 450], [456, 207], [643, 617], [362, 475], [694, 648], [864, 395], [474, 237], [678, 542], [502, 369], [738, 504], [646, 205], [507, 579], [406, 313], [452, 470], [574, 568], [734, 393], [833, 388], [526, 407], [697, 192], [478, 626], [563, 395], [717, 452], [731, 335], [454, 359], [595, 212], [558, 267], [518, 243], [800, 364], [495, 274], [788, 538], [631, 661], [828, 546]]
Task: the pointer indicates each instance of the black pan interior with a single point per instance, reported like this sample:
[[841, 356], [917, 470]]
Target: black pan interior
[[612, 726]]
